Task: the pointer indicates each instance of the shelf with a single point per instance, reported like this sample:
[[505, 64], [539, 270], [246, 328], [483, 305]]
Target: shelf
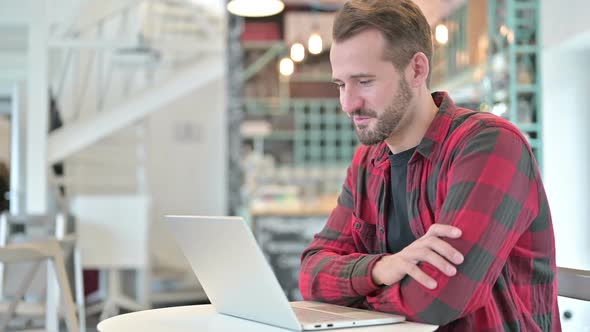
[[277, 106], [523, 49], [281, 135], [535, 144], [526, 5], [467, 78], [526, 88], [529, 127]]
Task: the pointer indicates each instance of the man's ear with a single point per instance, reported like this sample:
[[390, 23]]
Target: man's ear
[[418, 70]]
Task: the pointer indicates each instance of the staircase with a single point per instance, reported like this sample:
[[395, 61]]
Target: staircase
[[111, 65]]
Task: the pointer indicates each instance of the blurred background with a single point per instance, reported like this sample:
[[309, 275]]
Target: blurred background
[[114, 113]]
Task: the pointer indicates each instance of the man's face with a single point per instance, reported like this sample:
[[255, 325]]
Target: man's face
[[373, 93]]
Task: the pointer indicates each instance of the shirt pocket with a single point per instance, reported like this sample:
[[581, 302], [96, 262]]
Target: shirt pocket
[[364, 235]]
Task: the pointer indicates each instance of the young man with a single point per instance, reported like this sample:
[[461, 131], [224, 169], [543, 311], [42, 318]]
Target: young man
[[443, 215]]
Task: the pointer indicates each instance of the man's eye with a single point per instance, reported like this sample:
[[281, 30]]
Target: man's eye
[[367, 82]]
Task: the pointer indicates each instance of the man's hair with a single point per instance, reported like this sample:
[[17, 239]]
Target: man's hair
[[401, 23]]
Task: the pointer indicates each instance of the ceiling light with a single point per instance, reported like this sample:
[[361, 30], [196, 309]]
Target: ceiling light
[[258, 8], [286, 67], [297, 52], [314, 44], [441, 34]]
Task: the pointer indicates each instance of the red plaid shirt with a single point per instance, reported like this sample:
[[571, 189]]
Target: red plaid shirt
[[472, 170]]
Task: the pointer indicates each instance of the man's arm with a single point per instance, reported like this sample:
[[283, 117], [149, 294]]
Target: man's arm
[[332, 269], [492, 196], [431, 248]]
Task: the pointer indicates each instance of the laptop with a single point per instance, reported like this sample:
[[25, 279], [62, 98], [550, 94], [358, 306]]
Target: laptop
[[239, 282]]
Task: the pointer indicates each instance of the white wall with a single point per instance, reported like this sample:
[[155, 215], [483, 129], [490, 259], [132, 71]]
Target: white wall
[[187, 163], [566, 161], [563, 21], [566, 126], [566, 79], [17, 11], [12, 12]]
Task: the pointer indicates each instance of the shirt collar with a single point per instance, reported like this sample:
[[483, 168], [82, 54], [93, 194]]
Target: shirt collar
[[434, 136]]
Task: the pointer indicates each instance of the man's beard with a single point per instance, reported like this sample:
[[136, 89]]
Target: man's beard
[[389, 121]]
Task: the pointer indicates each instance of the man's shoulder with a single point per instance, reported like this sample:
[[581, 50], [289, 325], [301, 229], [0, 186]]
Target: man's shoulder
[[468, 123]]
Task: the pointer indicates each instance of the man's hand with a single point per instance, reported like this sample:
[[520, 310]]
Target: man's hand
[[429, 248]]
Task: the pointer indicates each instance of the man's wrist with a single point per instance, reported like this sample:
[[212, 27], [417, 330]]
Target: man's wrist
[[375, 272]]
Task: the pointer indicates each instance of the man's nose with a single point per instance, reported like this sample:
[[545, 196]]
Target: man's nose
[[350, 101]]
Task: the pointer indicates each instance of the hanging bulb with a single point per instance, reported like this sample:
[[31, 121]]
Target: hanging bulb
[[314, 44], [286, 67], [297, 52], [258, 8], [441, 34]]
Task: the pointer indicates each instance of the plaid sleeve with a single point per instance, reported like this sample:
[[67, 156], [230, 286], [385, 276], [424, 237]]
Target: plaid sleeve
[[332, 269], [492, 196]]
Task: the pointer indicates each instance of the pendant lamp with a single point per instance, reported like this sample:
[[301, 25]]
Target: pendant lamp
[[255, 8]]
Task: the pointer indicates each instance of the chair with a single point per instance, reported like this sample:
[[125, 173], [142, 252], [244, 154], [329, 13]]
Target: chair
[[38, 252], [36, 249], [573, 283]]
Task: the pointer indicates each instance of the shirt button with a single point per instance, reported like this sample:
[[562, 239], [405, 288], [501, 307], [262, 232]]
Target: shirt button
[[357, 225], [381, 230]]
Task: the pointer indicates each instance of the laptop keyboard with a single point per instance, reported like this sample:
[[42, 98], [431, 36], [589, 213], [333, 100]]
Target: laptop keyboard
[[308, 315]]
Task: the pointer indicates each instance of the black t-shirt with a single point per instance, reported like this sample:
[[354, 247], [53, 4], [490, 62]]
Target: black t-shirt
[[399, 234]]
